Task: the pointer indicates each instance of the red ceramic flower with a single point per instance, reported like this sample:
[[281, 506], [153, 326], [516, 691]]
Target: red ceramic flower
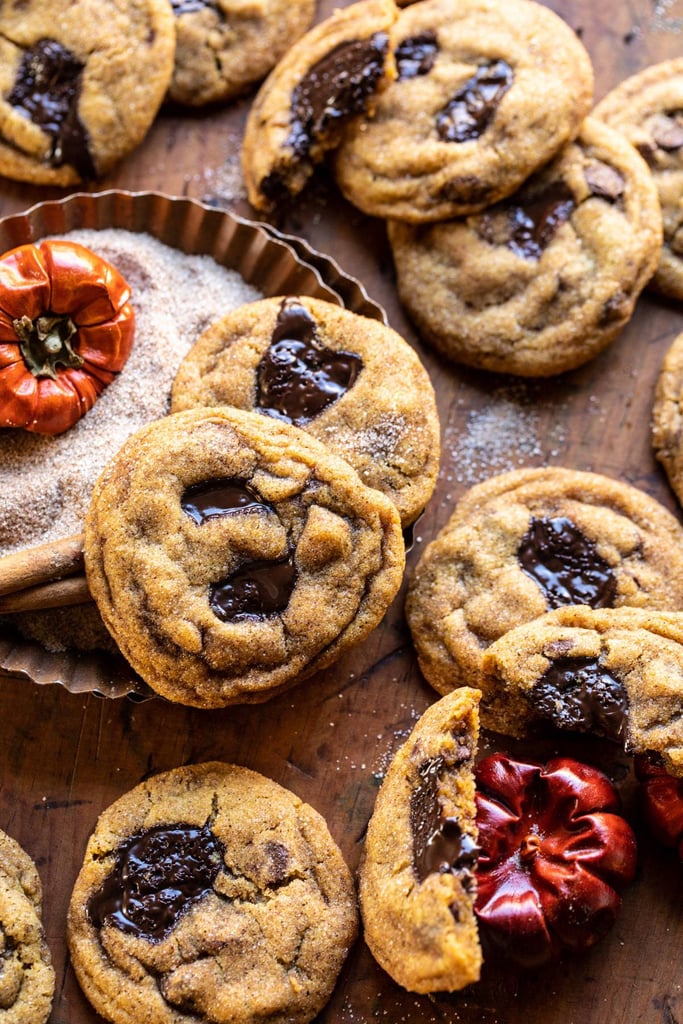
[[66, 329], [662, 802], [553, 853]]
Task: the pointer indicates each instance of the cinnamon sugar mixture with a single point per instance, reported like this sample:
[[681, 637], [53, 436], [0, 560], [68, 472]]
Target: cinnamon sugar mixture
[[45, 482]]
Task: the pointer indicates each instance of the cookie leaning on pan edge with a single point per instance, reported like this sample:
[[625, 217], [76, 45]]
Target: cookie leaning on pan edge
[[231, 555]]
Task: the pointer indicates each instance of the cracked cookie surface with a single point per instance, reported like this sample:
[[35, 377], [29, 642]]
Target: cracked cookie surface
[[210, 893], [231, 554], [484, 94], [648, 109], [614, 672], [544, 280], [225, 46], [27, 979], [528, 541], [74, 100], [350, 381], [416, 883]]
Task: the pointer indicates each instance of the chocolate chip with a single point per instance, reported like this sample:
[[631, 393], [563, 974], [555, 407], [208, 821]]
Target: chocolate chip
[[297, 377], [256, 590], [667, 131], [566, 565], [604, 181], [48, 89], [415, 56], [579, 695], [189, 6], [157, 875], [336, 87], [439, 844], [469, 112], [527, 222], [213, 498]]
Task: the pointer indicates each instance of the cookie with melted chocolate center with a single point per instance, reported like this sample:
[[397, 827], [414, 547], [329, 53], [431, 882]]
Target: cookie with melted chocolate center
[[485, 93], [75, 99], [27, 978], [328, 76], [210, 893], [544, 280], [225, 46], [231, 554], [416, 884], [350, 381], [613, 672], [529, 541], [648, 109]]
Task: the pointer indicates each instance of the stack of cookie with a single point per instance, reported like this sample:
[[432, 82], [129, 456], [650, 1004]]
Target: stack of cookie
[[522, 230]]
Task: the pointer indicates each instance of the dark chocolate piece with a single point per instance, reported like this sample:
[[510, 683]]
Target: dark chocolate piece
[[338, 86], [566, 565], [668, 132], [297, 376], [604, 181], [157, 876], [526, 223], [190, 6], [578, 694], [416, 55], [48, 89], [468, 114], [439, 844], [256, 590], [213, 498]]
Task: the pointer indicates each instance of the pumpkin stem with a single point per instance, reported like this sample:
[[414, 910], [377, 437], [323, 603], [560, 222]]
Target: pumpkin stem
[[45, 343], [530, 846]]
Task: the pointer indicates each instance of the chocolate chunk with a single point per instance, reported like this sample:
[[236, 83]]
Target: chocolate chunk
[[468, 114], [48, 89], [566, 565], [465, 188], [189, 6], [213, 498], [256, 590], [157, 876], [439, 844], [415, 56], [578, 694], [297, 376], [604, 181], [336, 87], [667, 131], [278, 862], [526, 223]]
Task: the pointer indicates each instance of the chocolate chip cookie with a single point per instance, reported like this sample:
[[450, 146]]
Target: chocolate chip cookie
[[225, 46], [484, 94], [417, 884], [329, 75], [231, 554], [528, 541], [350, 381], [80, 83], [667, 416], [648, 109], [27, 978], [210, 893], [544, 280], [614, 672]]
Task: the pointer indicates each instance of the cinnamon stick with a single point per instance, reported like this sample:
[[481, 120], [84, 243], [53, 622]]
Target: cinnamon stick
[[42, 564], [59, 594]]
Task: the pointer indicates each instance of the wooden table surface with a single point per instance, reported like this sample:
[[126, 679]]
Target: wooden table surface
[[65, 757]]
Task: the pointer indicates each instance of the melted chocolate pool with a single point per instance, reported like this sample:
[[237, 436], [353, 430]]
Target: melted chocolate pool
[[579, 695], [566, 565], [256, 590], [213, 498], [439, 844]]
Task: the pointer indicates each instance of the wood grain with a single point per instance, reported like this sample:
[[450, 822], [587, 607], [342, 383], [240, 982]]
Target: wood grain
[[65, 757]]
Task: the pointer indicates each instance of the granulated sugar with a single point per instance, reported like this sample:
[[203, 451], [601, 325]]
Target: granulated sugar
[[46, 482]]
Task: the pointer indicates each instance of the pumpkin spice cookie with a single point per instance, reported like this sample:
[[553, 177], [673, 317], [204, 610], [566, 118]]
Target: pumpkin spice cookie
[[208, 894], [528, 541], [329, 75], [350, 381], [417, 885], [648, 109], [75, 99], [667, 416], [544, 280], [615, 672], [225, 46], [27, 978], [485, 94], [231, 555]]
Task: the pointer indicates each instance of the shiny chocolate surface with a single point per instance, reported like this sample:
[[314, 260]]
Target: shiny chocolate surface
[[579, 695], [470, 111], [415, 56], [566, 564], [526, 224], [439, 844], [256, 590], [213, 498]]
